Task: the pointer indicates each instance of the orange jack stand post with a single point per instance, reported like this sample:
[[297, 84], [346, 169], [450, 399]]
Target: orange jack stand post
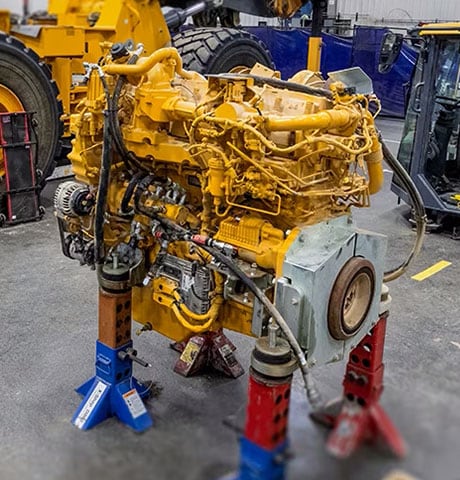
[[359, 417]]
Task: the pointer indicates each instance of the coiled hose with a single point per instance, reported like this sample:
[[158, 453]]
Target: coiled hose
[[419, 212]]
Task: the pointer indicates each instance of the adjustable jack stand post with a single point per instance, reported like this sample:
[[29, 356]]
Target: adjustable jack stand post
[[359, 417], [263, 447], [113, 391]]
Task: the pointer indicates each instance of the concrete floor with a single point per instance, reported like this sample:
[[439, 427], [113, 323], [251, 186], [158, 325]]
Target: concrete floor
[[48, 318]]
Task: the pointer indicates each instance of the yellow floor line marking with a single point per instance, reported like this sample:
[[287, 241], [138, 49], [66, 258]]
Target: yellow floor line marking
[[437, 267]]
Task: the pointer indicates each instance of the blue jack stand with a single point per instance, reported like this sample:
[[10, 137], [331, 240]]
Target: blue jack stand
[[113, 391], [257, 463]]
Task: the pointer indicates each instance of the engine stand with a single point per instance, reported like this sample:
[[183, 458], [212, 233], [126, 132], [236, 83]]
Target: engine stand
[[263, 448], [209, 349], [113, 391], [359, 417]]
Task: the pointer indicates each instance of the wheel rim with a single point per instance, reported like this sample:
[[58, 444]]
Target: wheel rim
[[9, 102], [240, 69]]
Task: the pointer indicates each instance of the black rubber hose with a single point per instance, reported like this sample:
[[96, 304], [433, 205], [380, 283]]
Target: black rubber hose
[[419, 212], [128, 157], [277, 83], [313, 394], [135, 179], [104, 178]]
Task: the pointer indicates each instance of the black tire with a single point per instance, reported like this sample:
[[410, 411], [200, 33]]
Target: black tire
[[219, 50], [22, 71]]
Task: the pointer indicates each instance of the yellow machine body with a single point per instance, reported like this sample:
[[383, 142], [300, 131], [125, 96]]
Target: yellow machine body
[[81, 32], [227, 158]]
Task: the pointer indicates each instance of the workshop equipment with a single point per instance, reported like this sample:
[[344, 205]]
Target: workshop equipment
[[362, 417], [358, 415], [263, 447], [20, 200], [429, 148], [113, 391], [208, 349]]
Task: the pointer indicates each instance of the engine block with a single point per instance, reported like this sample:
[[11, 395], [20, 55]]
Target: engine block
[[263, 170]]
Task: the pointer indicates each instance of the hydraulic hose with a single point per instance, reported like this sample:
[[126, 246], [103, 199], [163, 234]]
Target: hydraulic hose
[[128, 157], [135, 179], [277, 83], [313, 394], [419, 212], [104, 177]]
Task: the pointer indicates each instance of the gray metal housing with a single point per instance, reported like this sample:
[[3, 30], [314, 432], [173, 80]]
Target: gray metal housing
[[310, 269]]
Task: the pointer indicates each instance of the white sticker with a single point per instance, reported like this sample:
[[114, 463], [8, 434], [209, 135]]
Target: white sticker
[[134, 403], [90, 404]]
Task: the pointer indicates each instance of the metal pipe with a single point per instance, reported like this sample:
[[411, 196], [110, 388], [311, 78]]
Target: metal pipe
[[142, 67], [314, 42], [321, 120]]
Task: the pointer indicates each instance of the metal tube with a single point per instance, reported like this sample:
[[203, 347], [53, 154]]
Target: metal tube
[[322, 120], [148, 63], [314, 43]]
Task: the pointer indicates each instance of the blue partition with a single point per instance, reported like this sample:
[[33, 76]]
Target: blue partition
[[390, 87], [289, 51]]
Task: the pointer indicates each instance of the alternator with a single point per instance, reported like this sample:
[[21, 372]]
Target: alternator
[[73, 199]]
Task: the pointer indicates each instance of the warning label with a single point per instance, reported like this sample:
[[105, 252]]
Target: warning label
[[134, 403], [190, 352], [90, 404]]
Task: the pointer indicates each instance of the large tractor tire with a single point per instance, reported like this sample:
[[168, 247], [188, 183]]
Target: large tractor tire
[[26, 85], [220, 50]]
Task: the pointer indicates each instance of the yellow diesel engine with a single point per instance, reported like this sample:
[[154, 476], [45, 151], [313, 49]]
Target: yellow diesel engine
[[193, 191]]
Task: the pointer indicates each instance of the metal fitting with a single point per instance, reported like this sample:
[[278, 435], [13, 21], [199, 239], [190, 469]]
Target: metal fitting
[[114, 276], [385, 300], [272, 356]]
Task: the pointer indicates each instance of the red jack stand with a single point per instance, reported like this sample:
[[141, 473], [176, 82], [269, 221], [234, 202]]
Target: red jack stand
[[211, 349], [263, 447], [360, 416]]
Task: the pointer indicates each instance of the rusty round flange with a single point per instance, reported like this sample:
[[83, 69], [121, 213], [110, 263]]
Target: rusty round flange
[[351, 298]]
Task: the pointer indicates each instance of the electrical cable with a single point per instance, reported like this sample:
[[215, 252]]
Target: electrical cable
[[419, 212]]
